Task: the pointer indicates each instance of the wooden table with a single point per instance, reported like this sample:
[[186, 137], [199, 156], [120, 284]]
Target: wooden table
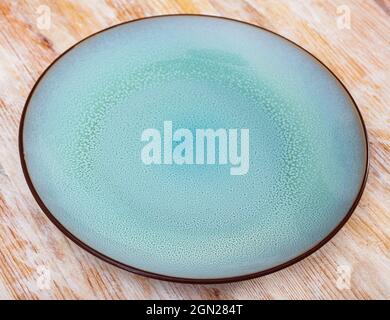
[[37, 261]]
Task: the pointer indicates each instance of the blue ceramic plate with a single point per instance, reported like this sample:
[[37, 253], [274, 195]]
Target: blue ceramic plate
[[193, 148]]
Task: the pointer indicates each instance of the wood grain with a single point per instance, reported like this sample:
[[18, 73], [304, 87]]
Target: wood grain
[[38, 262]]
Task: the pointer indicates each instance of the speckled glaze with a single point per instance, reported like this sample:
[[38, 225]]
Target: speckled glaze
[[81, 142]]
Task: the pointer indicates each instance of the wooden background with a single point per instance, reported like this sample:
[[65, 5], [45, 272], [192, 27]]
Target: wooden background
[[38, 262]]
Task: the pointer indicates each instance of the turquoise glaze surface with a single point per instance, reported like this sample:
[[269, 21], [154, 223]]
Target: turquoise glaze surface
[[82, 146]]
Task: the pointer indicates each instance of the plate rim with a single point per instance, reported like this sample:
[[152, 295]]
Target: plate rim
[[158, 276]]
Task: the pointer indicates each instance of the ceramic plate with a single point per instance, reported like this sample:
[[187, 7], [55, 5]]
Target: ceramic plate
[[193, 148]]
